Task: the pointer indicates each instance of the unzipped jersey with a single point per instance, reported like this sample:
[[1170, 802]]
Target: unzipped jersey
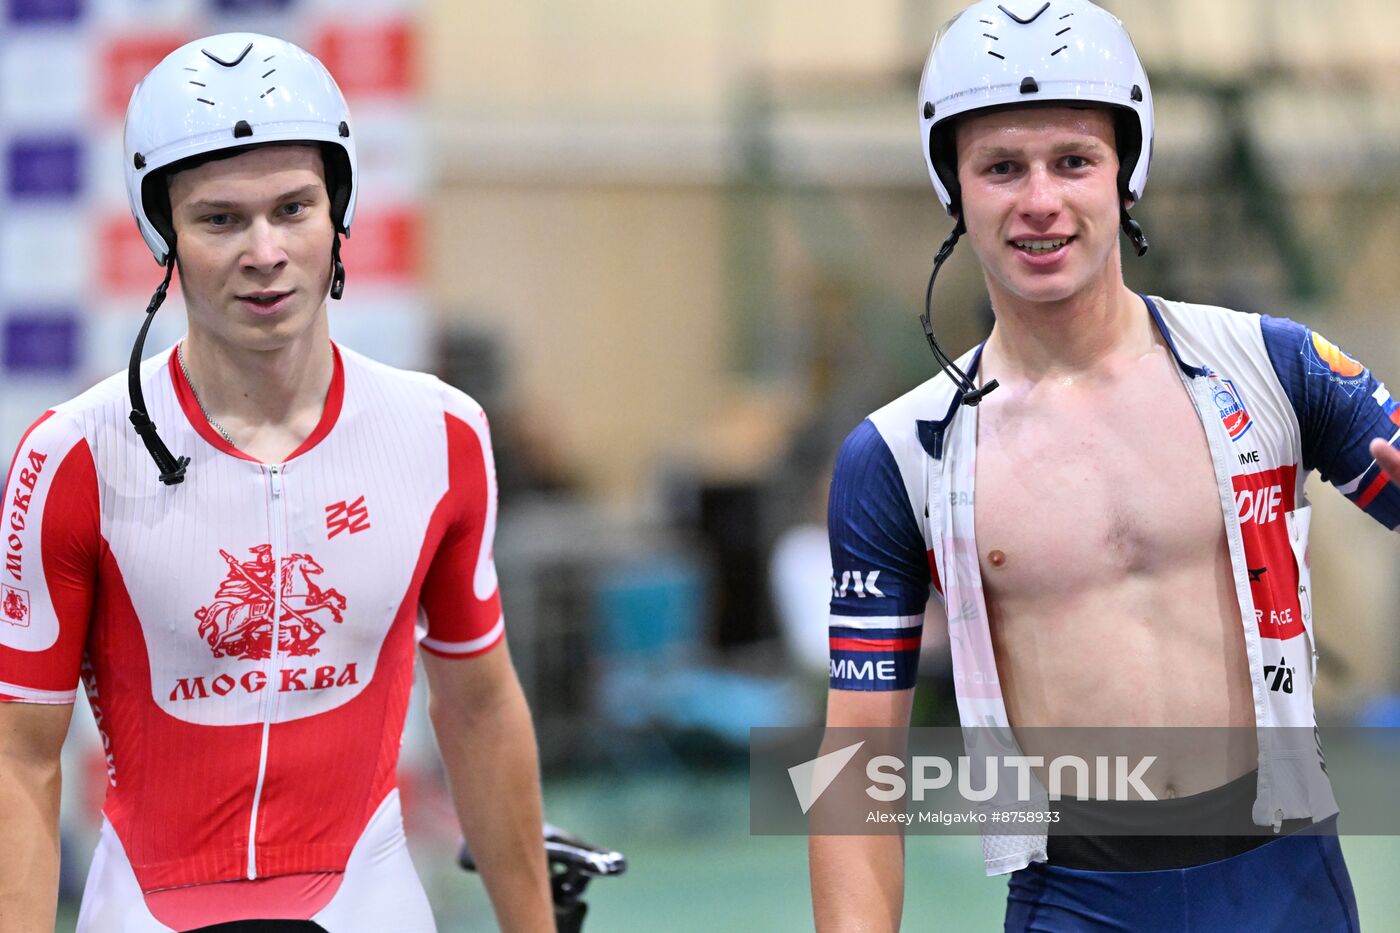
[[245, 638], [1276, 401]]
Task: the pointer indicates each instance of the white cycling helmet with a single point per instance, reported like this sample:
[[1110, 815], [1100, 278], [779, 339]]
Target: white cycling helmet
[[1002, 53], [227, 92]]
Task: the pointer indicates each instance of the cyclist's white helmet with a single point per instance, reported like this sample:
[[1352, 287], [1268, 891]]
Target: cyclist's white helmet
[[1001, 53], [225, 92]]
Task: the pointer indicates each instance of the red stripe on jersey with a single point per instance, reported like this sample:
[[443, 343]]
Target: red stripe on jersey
[[933, 574], [69, 540], [286, 897], [19, 447], [335, 400], [189, 404], [455, 614], [1372, 491], [874, 644]]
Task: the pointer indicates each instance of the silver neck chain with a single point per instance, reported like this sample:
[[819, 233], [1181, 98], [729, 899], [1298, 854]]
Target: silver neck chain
[[180, 355]]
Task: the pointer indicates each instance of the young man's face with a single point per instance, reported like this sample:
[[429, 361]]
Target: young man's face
[[253, 234], [1040, 199]]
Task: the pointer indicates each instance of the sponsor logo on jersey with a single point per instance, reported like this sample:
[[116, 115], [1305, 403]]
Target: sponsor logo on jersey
[[1262, 502], [1232, 411], [1279, 676], [347, 516], [866, 669], [862, 583], [1325, 359], [14, 605], [239, 622], [25, 481]]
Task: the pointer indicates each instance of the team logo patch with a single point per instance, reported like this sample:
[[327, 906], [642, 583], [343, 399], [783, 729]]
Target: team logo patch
[[14, 605], [347, 516], [1326, 360], [1232, 411], [239, 622]]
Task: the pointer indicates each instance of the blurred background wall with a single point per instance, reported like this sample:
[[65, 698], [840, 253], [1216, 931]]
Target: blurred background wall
[[677, 250]]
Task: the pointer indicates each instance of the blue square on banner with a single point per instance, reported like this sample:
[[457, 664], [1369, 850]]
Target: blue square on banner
[[44, 167], [42, 342], [45, 11], [251, 6]]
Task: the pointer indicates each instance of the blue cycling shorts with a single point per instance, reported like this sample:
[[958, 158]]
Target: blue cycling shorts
[[1297, 882]]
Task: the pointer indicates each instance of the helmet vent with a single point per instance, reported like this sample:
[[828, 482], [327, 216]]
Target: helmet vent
[[1002, 57], [274, 54], [987, 21], [1029, 85], [266, 73], [267, 92], [990, 36], [1033, 17], [203, 101], [1059, 50], [1063, 31], [241, 129], [241, 55], [345, 127], [1137, 93], [199, 84], [1067, 16]]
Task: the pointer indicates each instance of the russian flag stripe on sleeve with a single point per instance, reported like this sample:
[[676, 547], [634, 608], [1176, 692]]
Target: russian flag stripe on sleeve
[[1341, 407]]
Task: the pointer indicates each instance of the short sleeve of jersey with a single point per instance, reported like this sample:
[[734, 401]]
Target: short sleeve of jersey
[[460, 603], [1341, 408], [880, 572], [52, 542]]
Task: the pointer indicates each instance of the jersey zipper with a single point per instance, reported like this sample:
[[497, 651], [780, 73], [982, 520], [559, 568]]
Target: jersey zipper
[[270, 705]]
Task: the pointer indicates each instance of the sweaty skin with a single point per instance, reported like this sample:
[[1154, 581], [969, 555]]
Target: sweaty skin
[[1097, 505]]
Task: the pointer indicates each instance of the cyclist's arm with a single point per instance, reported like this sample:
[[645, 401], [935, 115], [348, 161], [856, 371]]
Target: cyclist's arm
[[858, 881], [478, 711], [487, 742], [31, 737], [1342, 409], [880, 586], [51, 542]]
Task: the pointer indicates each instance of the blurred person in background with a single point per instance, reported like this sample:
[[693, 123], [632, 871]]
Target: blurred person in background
[[243, 616], [1139, 556]]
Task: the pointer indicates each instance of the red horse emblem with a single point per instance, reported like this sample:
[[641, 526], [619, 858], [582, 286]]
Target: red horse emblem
[[239, 622], [15, 607]]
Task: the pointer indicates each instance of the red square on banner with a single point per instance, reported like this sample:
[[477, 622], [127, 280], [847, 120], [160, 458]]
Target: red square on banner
[[383, 245], [125, 61], [370, 58], [124, 263]]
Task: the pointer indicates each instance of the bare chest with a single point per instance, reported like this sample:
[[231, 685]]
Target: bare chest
[[1079, 487]]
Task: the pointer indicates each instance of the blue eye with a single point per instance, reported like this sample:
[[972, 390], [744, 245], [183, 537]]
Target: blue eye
[[218, 220], [1000, 168]]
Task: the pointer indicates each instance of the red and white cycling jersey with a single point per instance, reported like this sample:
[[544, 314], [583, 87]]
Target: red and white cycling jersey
[[246, 638]]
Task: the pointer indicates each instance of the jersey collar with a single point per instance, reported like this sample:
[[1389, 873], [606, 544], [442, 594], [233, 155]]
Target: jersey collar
[[335, 401]]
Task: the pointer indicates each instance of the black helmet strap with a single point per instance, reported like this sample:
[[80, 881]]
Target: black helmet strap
[[172, 470]]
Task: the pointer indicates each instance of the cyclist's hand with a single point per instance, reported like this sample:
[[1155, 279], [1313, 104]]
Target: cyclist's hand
[[1388, 458]]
